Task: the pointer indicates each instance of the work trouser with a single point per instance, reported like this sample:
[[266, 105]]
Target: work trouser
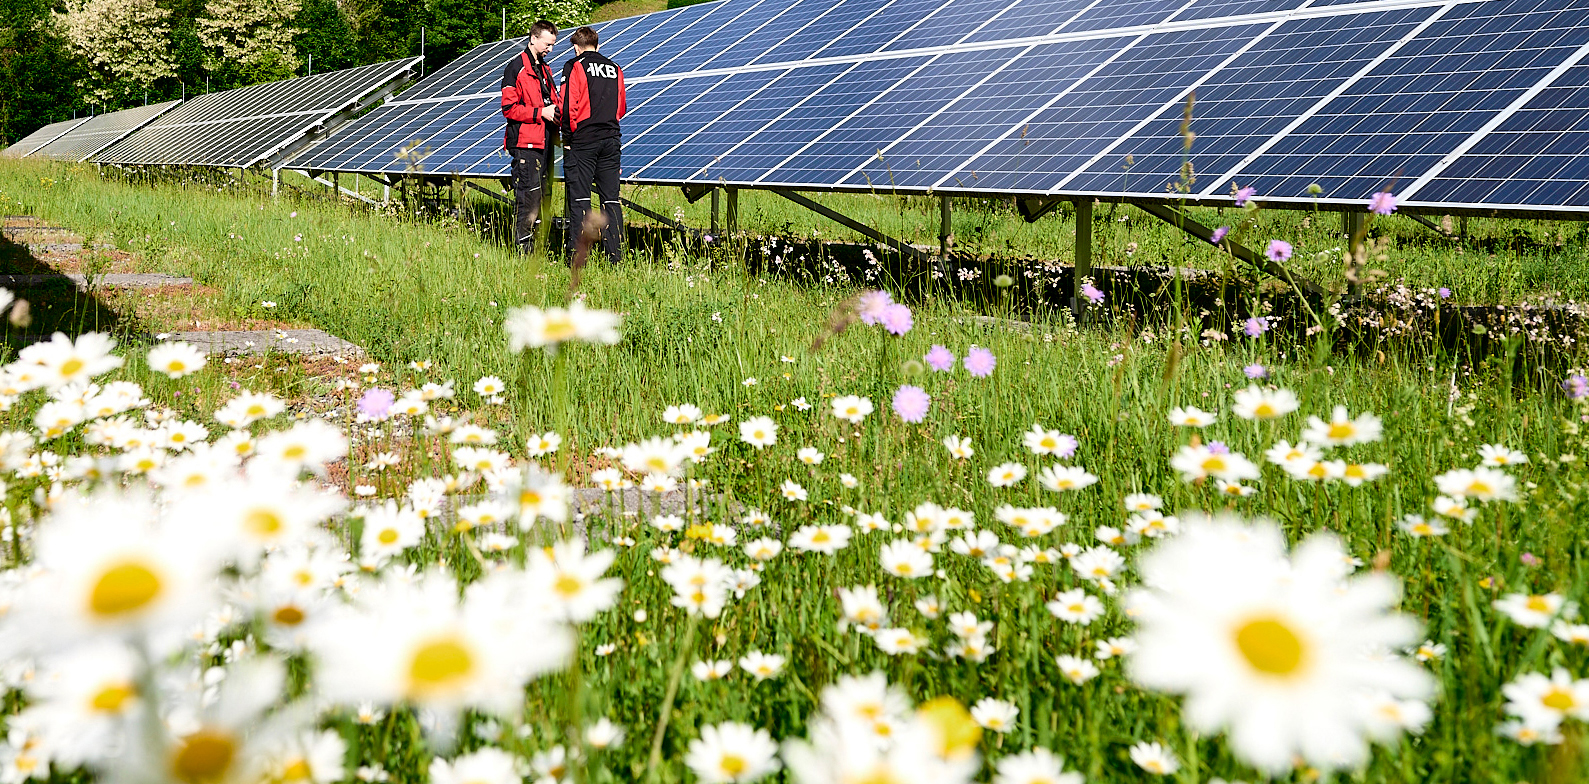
[[529, 167], [584, 162]]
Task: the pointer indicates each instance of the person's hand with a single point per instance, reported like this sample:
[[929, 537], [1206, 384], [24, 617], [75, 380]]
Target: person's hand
[[548, 113]]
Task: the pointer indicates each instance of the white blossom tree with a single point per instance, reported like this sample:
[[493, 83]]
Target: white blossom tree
[[126, 44], [254, 35]]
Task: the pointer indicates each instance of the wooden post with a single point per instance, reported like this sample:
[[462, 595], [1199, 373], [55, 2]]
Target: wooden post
[[1083, 267]]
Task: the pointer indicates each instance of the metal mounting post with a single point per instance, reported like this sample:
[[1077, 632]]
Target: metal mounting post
[[275, 182], [1083, 264], [945, 224], [717, 198], [732, 213]]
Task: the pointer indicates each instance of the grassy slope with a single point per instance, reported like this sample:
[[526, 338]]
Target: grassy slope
[[432, 291]]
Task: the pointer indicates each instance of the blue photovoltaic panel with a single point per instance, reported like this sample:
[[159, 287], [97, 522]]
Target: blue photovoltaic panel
[[824, 109], [730, 32], [850, 143], [1213, 9], [1249, 101], [478, 70], [658, 44], [868, 35], [1539, 155], [1425, 100], [1062, 137], [1124, 13], [703, 107], [721, 133], [796, 16], [626, 45], [979, 116], [1031, 17], [952, 22]]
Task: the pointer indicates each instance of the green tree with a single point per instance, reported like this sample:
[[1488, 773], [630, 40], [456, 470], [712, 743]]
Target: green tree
[[563, 13], [385, 29], [324, 36], [38, 74], [122, 43], [456, 26]]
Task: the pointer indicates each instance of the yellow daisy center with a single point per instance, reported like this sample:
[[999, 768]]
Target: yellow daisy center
[[111, 698], [1264, 411], [72, 366], [1538, 604], [567, 586], [263, 522], [1558, 699], [124, 588], [1340, 431], [1271, 647], [203, 757], [288, 615], [388, 536], [440, 664]]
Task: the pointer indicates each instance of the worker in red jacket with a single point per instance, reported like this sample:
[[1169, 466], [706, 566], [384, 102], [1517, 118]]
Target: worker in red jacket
[[593, 103], [529, 102]]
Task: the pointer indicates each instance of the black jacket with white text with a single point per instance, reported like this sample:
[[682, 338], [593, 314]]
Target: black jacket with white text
[[593, 98]]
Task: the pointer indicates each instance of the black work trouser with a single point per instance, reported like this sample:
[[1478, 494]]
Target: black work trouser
[[529, 167], [584, 162]]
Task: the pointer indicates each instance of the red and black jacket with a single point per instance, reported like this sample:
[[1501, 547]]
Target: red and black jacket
[[593, 98], [527, 87]]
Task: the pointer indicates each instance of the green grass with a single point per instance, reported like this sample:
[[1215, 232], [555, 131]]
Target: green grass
[[695, 332]]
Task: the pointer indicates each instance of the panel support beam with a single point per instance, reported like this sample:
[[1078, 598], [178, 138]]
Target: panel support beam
[[1083, 257], [1182, 221], [659, 218], [1033, 207], [487, 191], [852, 224]]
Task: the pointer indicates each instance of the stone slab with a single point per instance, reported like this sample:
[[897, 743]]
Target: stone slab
[[290, 341], [113, 280]]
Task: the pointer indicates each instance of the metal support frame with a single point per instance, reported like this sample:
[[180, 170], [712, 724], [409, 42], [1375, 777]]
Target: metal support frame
[[1185, 223], [335, 187], [1033, 207], [1083, 263], [1429, 224], [717, 206], [837, 217], [487, 191], [659, 218], [693, 193], [945, 228], [731, 215]]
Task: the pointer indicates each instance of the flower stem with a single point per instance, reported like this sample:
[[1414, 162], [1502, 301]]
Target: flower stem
[[652, 771]]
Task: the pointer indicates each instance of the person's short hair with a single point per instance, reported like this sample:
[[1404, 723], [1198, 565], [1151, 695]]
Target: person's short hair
[[585, 37], [542, 26]]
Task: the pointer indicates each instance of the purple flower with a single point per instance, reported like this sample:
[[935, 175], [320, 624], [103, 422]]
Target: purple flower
[[1256, 371], [1092, 293], [1279, 250], [1577, 386], [896, 319], [1444, 292], [1218, 448], [376, 403], [939, 358], [1382, 203], [1219, 235], [980, 362], [1529, 559], [1066, 448], [1244, 194], [873, 305], [1257, 325], [911, 403]]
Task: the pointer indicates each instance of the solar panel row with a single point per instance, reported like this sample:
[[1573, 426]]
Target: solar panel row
[[244, 126], [31, 143], [101, 131]]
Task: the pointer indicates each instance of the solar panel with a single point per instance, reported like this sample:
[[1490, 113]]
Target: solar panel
[[248, 125], [31, 143], [1443, 99], [101, 131]]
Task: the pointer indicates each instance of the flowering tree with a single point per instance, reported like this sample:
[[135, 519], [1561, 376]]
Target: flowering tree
[[123, 42], [254, 35]]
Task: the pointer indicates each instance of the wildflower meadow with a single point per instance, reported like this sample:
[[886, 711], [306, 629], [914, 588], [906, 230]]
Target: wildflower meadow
[[680, 521]]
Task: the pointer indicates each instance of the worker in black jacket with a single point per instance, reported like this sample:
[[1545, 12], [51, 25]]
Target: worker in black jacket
[[529, 104], [593, 103]]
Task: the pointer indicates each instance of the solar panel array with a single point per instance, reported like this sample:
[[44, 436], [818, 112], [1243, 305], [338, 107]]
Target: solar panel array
[[1449, 103], [248, 125], [101, 131], [31, 143]]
